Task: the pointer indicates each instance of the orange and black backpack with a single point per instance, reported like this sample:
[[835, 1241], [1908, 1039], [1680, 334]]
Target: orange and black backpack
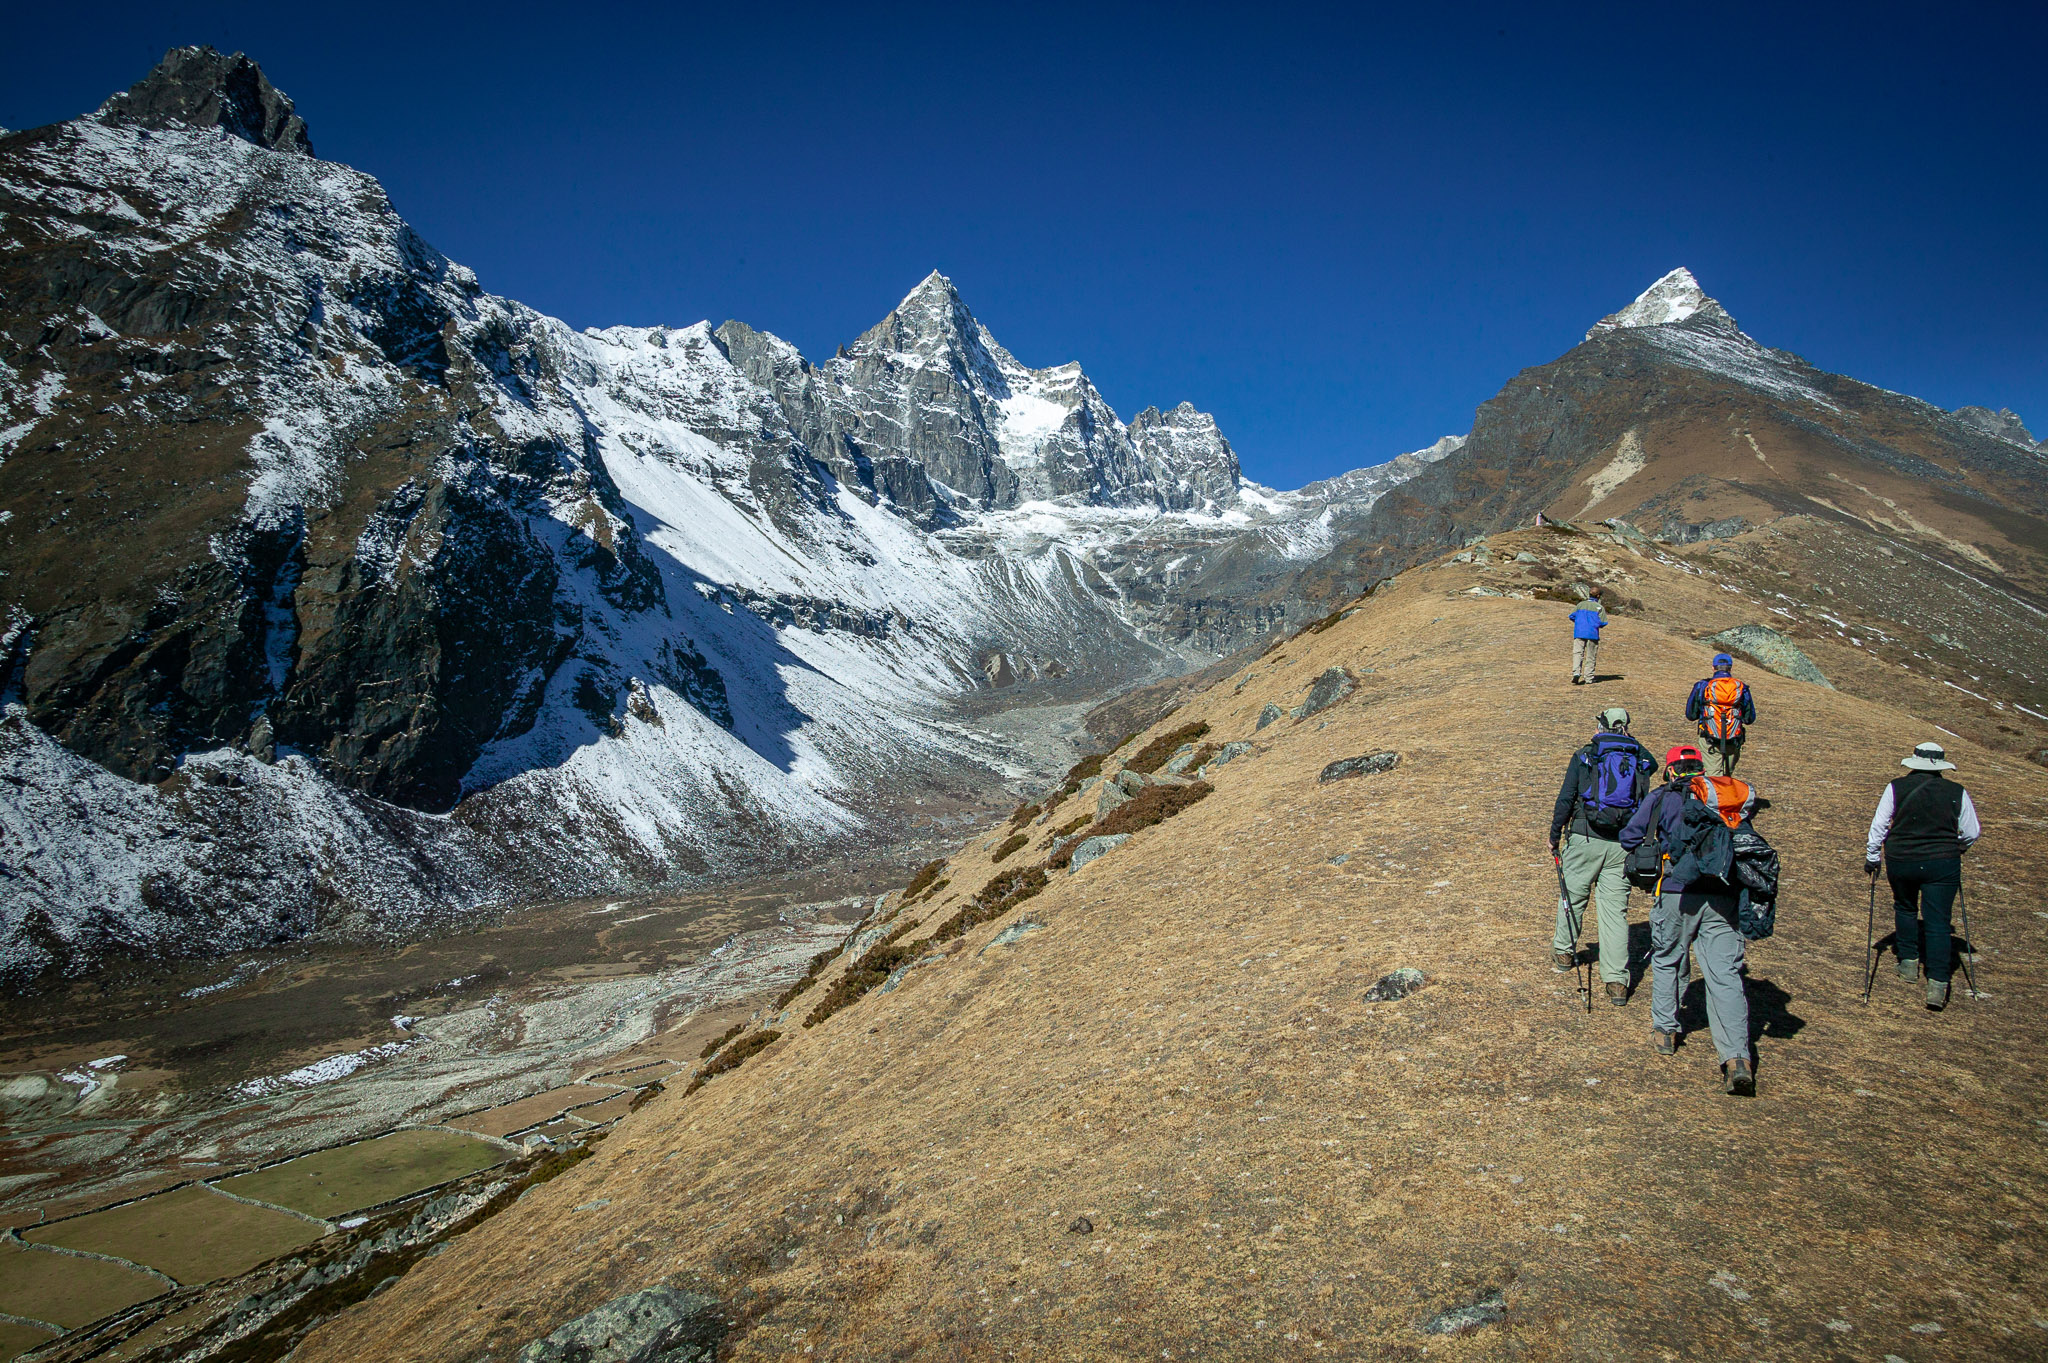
[[1721, 709]]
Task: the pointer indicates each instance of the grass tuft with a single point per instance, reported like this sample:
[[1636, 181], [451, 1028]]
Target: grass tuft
[[731, 1032], [1024, 814], [995, 899], [1009, 845], [922, 881]]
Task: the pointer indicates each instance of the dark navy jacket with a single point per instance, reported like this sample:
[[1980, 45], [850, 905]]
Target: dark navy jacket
[[1666, 809]]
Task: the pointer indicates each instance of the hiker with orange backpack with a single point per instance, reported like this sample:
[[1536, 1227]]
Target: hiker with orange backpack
[[1723, 708], [1691, 819]]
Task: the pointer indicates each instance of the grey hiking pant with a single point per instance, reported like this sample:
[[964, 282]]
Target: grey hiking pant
[[1705, 923], [1585, 657], [1593, 868]]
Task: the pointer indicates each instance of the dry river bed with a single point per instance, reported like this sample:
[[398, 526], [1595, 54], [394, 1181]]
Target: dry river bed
[[166, 1128]]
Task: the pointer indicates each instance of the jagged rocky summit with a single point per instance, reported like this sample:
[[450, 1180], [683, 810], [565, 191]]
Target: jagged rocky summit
[[343, 594]]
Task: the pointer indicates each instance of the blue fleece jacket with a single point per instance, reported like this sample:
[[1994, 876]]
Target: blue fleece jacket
[[1586, 622]]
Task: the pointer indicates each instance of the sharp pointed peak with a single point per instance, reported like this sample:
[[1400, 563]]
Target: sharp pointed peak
[[1671, 299], [203, 88]]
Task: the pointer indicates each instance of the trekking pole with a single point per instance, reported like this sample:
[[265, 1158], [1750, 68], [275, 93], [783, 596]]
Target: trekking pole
[[1564, 906], [1970, 941], [1869, 943]]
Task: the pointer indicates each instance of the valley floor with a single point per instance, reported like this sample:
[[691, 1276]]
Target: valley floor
[[1272, 1167]]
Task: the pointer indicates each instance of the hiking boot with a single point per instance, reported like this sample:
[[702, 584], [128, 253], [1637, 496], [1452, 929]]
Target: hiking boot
[[1909, 967], [1665, 1042], [1564, 962], [1738, 1079], [1617, 994], [1937, 995]]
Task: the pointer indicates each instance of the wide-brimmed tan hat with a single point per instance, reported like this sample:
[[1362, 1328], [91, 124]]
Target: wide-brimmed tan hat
[[1928, 757]]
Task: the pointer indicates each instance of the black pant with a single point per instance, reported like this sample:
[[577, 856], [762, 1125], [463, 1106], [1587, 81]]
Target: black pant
[[1925, 891]]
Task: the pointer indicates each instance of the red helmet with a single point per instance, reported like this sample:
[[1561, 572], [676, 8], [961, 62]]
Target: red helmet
[[1683, 752]]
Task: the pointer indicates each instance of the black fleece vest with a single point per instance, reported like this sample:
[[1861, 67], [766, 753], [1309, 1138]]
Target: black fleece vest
[[1925, 812]]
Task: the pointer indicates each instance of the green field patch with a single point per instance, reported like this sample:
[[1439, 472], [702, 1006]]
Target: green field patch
[[510, 1117], [331, 1183], [191, 1233], [19, 1339], [616, 1106], [66, 1290]]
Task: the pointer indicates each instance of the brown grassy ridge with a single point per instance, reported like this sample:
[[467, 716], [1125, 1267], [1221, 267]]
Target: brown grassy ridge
[[1182, 1055]]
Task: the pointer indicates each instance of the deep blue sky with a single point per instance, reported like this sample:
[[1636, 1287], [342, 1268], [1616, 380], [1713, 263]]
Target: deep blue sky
[[1338, 232]]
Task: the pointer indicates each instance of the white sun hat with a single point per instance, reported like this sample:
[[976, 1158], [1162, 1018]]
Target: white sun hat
[[1928, 757]]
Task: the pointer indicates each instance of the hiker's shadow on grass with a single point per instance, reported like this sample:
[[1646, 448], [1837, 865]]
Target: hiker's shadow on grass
[[1770, 1012], [1599, 677], [1638, 955]]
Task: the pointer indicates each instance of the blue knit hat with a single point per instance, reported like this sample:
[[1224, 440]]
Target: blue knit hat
[[1722, 662]]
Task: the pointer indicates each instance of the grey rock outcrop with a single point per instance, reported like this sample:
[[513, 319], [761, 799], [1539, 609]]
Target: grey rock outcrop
[[1772, 650], [654, 1325], [1334, 685], [1229, 752], [1366, 764], [1094, 847], [1268, 714], [1397, 985]]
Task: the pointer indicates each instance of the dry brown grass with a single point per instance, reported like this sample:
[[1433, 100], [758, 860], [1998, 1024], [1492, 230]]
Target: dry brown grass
[[996, 898], [922, 881], [732, 1057]]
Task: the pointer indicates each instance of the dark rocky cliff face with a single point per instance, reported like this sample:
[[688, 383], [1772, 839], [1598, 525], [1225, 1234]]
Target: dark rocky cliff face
[[197, 87]]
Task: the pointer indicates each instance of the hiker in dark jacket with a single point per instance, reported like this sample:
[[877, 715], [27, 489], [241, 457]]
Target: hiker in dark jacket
[[1724, 709], [1603, 784], [1685, 919], [1923, 826]]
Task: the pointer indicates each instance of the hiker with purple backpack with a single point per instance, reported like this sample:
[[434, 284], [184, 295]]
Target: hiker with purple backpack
[[1603, 784]]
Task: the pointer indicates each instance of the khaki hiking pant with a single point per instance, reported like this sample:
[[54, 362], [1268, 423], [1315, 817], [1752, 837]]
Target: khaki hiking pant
[[1585, 658], [1721, 759], [1705, 923], [1593, 866]]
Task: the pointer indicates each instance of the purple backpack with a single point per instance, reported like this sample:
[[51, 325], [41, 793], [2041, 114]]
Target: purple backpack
[[1609, 797]]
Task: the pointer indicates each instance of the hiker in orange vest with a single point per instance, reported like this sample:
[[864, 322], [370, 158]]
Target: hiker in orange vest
[[1724, 710], [1702, 919]]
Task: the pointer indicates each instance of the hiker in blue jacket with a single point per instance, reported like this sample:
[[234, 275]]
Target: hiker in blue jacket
[[1683, 920], [1588, 619], [1723, 709], [1603, 784]]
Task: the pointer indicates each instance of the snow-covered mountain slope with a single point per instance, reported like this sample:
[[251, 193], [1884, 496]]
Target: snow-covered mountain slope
[[378, 597]]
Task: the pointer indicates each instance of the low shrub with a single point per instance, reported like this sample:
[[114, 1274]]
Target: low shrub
[[1153, 755], [731, 1032], [1023, 814], [863, 975], [995, 899], [732, 1057], [1009, 845], [1088, 766], [1318, 626], [1153, 804], [1076, 822], [1542, 572], [921, 882]]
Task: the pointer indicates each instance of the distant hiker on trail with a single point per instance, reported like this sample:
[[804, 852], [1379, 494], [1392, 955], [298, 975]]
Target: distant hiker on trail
[[1587, 622], [1724, 710], [1682, 816], [1922, 827], [1603, 784]]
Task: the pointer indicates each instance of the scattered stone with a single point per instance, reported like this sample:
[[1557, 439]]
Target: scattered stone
[[1092, 848], [1461, 558], [1082, 1226], [1230, 752], [595, 1204], [1772, 650], [1481, 591], [1398, 985], [1329, 688], [1471, 1316], [1016, 932], [1683, 533], [1171, 781], [1526, 557], [1177, 764], [1366, 764], [1340, 859], [654, 1325], [1131, 781], [1088, 785], [1269, 714], [1112, 795]]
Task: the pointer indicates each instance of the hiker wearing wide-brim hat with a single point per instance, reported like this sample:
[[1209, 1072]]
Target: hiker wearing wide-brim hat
[[1923, 825]]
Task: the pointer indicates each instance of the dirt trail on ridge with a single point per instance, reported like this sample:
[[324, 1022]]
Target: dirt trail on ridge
[[1276, 1169]]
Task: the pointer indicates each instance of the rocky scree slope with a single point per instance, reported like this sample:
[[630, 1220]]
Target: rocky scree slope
[[1148, 1110], [341, 593]]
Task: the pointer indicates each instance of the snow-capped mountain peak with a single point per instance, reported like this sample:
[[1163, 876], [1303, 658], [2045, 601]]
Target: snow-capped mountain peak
[[200, 88], [1673, 298]]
